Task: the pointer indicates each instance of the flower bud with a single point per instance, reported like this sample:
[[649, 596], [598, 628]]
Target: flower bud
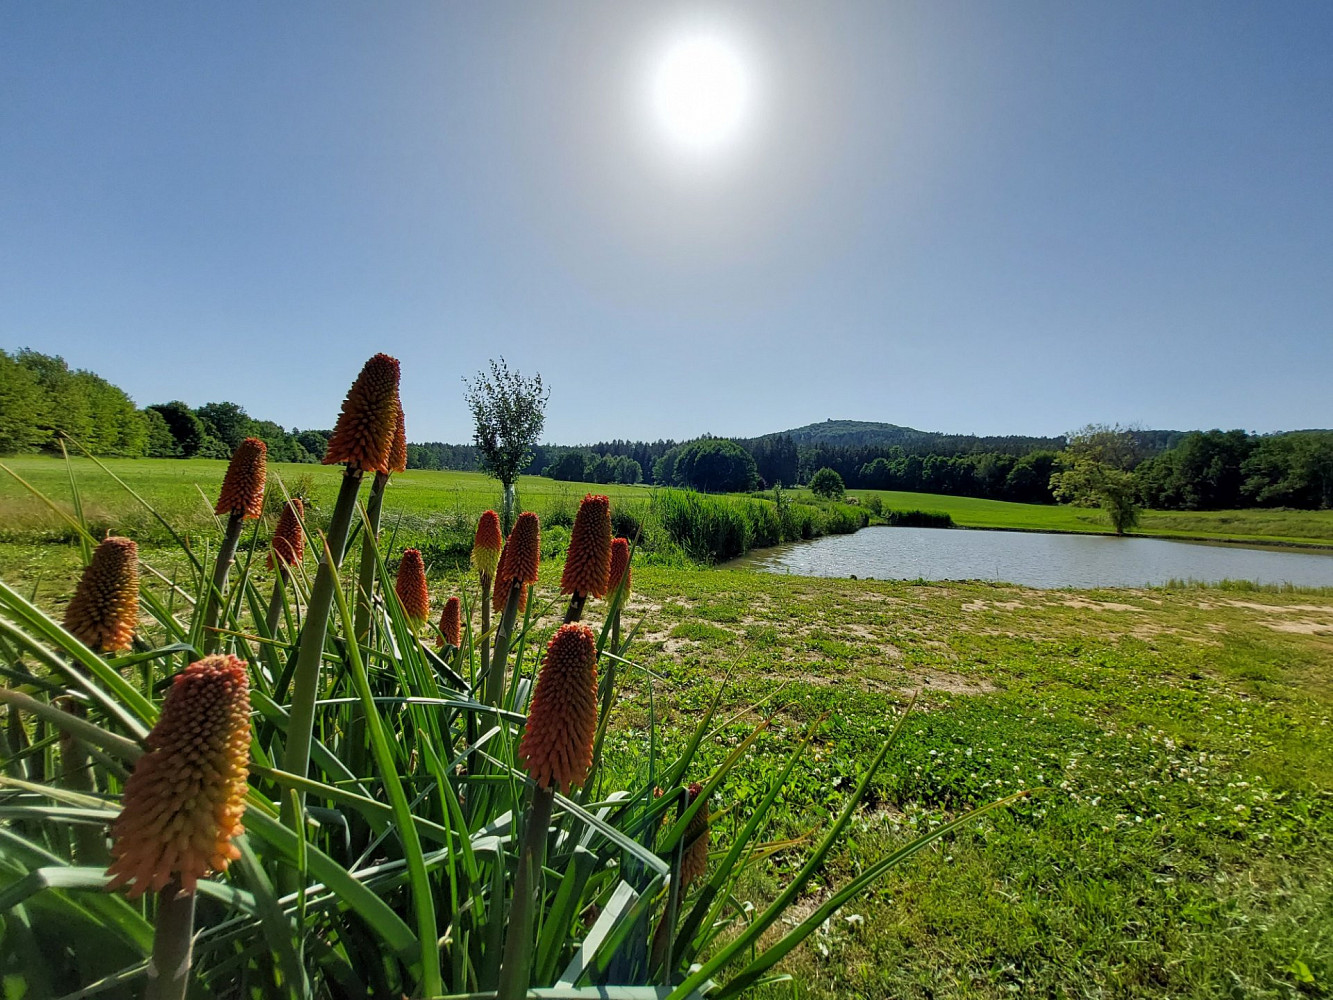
[[410, 586], [451, 622], [562, 722], [487, 544], [588, 561], [243, 485], [620, 568], [105, 607], [289, 537], [363, 436], [184, 802]]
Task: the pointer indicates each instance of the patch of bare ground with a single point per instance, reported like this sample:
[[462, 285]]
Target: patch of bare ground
[[1002, 605], [1279, 608], [950, 683], [1083, 602], [1301, 628]]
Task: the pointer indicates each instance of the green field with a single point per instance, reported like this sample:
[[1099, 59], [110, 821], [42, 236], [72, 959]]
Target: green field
[[183, 490], [1300, 527], [1179, 742]]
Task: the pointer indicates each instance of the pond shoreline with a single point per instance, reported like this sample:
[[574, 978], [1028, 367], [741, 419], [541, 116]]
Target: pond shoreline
[[1247, 543], [1043, 559]]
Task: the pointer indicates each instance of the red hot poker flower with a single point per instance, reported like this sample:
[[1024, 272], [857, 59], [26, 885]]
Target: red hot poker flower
[[487, 544], [562, 722], [410, 586], [694, 862], [588, 561], [243, 485], [289, 536], [398, 452], [520, 560], [620, 568], [451, 622], [363, 436], [105, 606], [184, 801]]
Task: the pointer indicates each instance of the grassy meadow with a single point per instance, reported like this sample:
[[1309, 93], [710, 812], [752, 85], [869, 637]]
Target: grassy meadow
[[1178, 744], [1297, 527]]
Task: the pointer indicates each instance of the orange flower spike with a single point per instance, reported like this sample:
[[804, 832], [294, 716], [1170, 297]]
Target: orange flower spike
[[289, 536], [243, 485], [487, 544], [105, 607], [410, 586], [363, 436], [519, 561], [501, 592], [451, 622], [184, 802], [620, 568], [562, 722], [588, 561], [694, 862], [398, 452]]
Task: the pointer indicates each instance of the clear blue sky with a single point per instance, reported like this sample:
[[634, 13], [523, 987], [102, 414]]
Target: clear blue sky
[[976, 217]]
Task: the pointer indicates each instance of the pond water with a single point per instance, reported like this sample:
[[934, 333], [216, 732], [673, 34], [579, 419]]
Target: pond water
[[1035, 559]]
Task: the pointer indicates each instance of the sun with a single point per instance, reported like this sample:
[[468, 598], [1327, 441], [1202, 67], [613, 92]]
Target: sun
[[701, 92]]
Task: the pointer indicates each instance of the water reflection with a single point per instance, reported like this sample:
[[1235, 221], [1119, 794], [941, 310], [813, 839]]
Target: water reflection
[[1037, 560]]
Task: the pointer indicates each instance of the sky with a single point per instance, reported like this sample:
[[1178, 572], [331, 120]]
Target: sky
[[992, 218]]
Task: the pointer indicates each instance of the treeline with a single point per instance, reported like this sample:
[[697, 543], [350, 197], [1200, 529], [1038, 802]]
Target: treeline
[[1224, 470], [581, 466], [43, 399]]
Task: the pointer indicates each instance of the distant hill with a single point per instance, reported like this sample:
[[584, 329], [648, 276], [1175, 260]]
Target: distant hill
[[863, 433]]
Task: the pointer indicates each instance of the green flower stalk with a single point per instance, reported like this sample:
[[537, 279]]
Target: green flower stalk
[[183, 806], [241, 499], [557, 751], [288, 549], [362, 441], [514, 576]]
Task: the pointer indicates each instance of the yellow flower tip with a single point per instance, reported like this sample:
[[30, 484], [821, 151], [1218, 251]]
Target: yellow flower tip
[[104, 610], [487, 544], [410, 586], [694, 860], [620, 568], [363, 436], [243, 485], [289, 537], [184, 802], [557, 744], [398, 453], [451, 622], [519, 561], [588, 561]]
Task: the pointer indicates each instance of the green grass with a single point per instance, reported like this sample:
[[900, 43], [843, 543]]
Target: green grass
[[1180, 741], [429, 502], [1182, 840], [1286, 526]]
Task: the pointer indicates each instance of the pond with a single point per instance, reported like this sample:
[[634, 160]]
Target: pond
[[1036, 559]]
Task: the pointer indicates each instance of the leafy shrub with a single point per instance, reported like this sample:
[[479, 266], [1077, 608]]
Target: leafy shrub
[[918, 519], [828, 484]]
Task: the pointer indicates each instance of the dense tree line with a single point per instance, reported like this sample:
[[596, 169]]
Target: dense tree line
[[1223, 470], [580, 466], [43, 399]]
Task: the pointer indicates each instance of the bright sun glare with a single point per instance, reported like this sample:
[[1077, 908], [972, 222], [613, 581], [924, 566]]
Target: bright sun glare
[[700, 92]]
